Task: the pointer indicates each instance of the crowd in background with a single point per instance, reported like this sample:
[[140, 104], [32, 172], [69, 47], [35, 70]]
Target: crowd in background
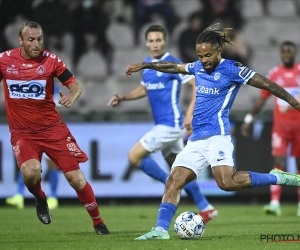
[[74, 29]]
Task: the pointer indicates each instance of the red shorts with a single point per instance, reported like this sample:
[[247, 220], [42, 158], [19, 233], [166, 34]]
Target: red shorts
[[282, 137], [57, 143]]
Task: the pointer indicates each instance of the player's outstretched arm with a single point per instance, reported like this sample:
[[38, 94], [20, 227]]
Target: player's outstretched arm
[[166, 67], [261, 82], [135, 94], [74, 92]]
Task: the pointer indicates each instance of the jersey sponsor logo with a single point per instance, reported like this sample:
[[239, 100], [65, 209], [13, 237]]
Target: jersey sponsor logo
[[154, 86], [27, 65], [12, 70], [34, 89], [202, 89], [41, 70], [217, 76]]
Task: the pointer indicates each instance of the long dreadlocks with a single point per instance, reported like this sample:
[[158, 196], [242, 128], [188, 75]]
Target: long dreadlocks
[[217, 38]]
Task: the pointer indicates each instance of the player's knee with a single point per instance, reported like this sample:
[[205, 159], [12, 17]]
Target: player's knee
[[226, 185], [133, 159], [76, 179], [31, 171], [175, 181]]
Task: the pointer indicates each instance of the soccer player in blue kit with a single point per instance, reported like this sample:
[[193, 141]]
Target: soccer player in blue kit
[[217, 83], [163, 91]]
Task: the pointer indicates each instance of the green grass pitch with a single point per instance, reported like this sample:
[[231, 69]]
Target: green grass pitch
[[236, 227]]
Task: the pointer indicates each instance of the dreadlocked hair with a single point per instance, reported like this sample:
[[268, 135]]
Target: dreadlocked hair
[[217, 38]]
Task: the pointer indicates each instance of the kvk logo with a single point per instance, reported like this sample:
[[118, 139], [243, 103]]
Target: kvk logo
[[41, 70]]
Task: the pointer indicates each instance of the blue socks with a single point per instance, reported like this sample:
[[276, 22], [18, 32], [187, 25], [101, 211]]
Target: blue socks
[[259, 180], [151, 168], [192, 189], [21, 185], [165, 214], [53, 180]]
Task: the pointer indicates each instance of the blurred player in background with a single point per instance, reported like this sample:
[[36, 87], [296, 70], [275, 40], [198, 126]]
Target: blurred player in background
[[217, 83], [36, 127], [163, 91], [17, 200], [286, 120]]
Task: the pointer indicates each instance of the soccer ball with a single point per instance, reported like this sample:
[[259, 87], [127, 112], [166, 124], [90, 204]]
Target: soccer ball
[[189, 225]]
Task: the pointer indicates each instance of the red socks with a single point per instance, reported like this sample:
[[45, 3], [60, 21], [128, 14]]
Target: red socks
[[87, 198], [36, 190]]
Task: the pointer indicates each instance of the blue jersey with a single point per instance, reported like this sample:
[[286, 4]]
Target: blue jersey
[[215, 93], [163, 91]]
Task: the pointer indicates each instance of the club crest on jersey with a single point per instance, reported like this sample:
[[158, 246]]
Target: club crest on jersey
[[41, 70], [217, 76], [12, 70]]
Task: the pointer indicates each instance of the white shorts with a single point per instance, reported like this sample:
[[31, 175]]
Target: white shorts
[[163, 138], [214, 151]]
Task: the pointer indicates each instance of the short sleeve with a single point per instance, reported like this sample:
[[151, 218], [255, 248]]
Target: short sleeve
[[60, 68], [190, 68], [184, 78], [240, 73]]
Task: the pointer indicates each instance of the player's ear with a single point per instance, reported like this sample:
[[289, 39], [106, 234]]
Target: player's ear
[[20, 41]]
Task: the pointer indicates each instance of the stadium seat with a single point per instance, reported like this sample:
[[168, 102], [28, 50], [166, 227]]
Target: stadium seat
[[282, 8], [184, 10], [252, 8], [91, 64], [120, 35]]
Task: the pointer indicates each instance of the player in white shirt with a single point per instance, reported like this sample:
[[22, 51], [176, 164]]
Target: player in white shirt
[[163, 91], [217, 83]]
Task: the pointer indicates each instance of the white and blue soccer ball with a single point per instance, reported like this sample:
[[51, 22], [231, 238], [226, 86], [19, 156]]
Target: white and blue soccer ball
[[189, 225]]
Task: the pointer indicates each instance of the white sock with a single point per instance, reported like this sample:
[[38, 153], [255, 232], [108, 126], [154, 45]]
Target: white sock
[[161, 229], [275, 203], [278, 178], [208, 207]]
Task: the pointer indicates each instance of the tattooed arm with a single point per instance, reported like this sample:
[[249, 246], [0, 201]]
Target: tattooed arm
[[167, 67], [261, 82]]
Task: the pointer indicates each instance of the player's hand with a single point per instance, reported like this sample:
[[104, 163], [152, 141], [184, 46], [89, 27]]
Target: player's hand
[[133, 68], [115, 100], [187, 123], [65, 100], [245, 128]]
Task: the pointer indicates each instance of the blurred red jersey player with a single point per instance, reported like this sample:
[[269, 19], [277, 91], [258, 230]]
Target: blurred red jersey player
[[36, 127], [286, 120]]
